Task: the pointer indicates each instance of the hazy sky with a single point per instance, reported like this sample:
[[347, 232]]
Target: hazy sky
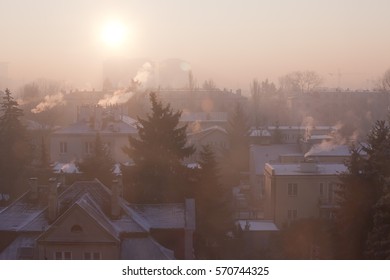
[[229, 41]]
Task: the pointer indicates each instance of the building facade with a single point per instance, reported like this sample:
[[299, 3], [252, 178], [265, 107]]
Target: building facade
[[302, 190]]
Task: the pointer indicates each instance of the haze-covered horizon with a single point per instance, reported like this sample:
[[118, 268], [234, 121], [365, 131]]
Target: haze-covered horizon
[[231, 42]]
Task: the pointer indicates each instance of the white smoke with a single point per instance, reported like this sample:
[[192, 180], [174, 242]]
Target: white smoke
[[143, 78], [118, 97], [49, 102], [144, 74], [309, 123]]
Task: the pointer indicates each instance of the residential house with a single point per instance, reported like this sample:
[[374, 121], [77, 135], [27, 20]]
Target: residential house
[[87, 220]]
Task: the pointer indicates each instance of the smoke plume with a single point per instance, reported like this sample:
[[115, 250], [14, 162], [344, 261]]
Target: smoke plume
[[49, 102], [118, 97]]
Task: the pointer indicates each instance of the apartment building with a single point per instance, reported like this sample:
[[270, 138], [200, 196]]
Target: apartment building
[[300, 190]]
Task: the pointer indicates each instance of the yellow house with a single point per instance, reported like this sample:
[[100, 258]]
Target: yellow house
[[300, 190]]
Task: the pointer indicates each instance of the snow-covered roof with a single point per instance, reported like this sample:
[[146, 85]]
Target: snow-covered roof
[[309, 169], [260, 133], [129, 120], [260, 155], [206, 131], [257, 225], [327, 149], [70, 167], [169, 215]]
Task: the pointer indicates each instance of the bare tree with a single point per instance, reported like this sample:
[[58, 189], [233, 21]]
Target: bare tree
[[386, 81], [303, 81], [209, 85]]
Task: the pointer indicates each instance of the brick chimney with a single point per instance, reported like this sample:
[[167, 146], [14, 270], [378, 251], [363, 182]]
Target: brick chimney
[[53, 200], [115, 206], [189, 229]]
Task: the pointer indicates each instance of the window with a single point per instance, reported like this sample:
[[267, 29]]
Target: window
[[76, 229], [292, 214], [92, 256], [89, 148], [292, 189], [63, 147], [59, 255]]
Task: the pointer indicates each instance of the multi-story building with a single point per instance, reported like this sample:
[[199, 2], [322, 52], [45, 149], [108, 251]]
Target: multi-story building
[[301, 190], [76, 141]]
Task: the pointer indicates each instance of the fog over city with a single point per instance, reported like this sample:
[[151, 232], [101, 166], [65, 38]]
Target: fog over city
[[231, 42], [165, 130]]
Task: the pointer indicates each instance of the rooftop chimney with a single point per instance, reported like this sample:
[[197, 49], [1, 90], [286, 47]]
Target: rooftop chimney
[[53, 199]]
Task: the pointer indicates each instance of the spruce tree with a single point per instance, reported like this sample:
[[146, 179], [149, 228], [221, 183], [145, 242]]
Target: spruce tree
[[354, 217], [237, 157], [158, 174], [213, 211], [14, 145], [363, 189], [99, 164], [378, 241]]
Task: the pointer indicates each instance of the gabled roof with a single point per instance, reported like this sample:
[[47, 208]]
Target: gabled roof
[[21, 212], [87, 204], [25, 215]]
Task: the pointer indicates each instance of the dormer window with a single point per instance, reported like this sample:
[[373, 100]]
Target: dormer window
[[76, 229]]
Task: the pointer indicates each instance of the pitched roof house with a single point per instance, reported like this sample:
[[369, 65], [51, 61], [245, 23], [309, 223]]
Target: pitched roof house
[[87, 220]]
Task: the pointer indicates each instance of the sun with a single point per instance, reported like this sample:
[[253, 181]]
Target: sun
[[114, 33]]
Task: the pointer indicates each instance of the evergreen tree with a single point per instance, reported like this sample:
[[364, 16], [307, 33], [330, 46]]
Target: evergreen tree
[[158, 174], [99, 164], [213, 217], [237, 160], [378, 241], [14, 146], [355, 199], [362, 187]]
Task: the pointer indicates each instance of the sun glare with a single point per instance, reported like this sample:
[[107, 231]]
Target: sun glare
[[114, 33]]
